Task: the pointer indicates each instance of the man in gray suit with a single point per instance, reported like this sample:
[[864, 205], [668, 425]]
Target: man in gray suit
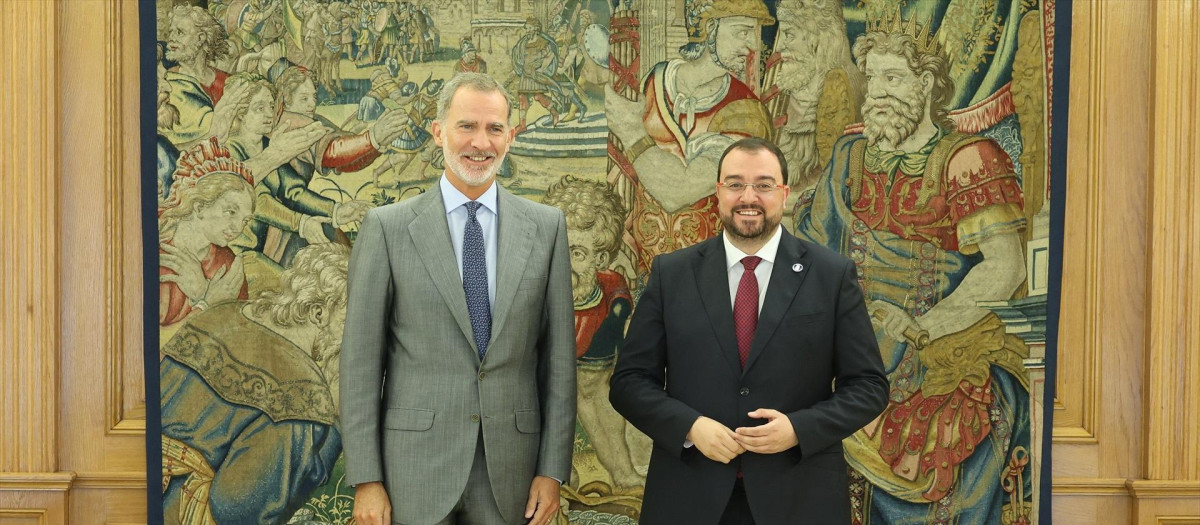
[[458, 360]]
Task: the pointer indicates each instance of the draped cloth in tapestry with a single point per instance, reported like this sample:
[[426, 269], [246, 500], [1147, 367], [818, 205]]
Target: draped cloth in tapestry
[[271, 126]]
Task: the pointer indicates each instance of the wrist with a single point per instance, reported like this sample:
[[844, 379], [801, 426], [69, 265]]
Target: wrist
[[202, 302]]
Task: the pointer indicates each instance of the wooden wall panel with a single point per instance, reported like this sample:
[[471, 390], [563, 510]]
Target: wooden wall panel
[[1125, 415], [1173, 342], [1127, 432], [103, 394], [32, 490]]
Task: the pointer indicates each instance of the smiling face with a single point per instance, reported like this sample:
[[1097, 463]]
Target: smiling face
[[750, 215], [223, 220], [474, 137]]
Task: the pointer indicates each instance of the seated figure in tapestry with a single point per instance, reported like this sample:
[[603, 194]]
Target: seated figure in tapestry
[[932, 218], [249, 398], [195, 42], [211, 202], [814, 88], [694, 106], [595, 224]]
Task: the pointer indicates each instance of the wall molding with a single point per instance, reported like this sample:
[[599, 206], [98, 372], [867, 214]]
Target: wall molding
[[1172, 444], [1077, 395], [110, 480], [1163, 489], [29, 131], [36, 481]]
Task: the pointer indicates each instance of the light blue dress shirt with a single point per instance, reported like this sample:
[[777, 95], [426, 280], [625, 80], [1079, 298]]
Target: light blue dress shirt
[[456, 218]]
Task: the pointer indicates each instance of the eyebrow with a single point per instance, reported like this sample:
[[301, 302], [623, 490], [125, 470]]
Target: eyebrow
[[761, 177], [888, 70]]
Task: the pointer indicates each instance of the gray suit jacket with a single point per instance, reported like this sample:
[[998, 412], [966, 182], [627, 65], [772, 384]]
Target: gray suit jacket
[[414, 394]]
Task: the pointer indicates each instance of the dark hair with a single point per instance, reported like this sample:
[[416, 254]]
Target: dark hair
[[753, 144]]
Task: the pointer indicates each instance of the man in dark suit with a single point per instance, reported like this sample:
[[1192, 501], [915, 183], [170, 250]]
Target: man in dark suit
[[748, 359]]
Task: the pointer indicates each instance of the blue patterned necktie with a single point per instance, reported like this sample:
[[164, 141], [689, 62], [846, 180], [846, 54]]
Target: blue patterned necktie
[[475, 279]]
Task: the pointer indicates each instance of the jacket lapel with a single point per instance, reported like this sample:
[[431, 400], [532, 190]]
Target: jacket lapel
[[712, 278], [781, 291], [431, 235], [514, 236]]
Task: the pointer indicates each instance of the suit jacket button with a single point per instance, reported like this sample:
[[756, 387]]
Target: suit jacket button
[[744, 391], [474, 418], [482, 375]]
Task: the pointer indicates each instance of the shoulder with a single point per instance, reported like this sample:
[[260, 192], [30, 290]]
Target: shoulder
[[683, 257], [542, 214], [973, 154], [399, 213]]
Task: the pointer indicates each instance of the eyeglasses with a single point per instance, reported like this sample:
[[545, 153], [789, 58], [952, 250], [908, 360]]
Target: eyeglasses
[[761, 188]]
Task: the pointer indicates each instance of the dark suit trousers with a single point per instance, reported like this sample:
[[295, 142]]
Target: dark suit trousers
[[737, 511]]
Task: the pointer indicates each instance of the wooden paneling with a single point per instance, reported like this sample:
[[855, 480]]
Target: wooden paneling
[[1127, 432], [29, 281], [1173, 342]]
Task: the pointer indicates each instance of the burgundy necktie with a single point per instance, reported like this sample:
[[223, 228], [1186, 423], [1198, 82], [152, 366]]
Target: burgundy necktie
[[745, 307]]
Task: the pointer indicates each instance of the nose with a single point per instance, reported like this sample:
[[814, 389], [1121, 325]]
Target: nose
[[479, 139], [875, 88], [749, 194]]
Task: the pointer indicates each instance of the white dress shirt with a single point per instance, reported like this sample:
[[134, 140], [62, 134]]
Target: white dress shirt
[[733, 266], [456, 218]]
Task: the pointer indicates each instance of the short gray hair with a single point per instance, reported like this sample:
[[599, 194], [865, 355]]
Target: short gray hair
[[475, 81]]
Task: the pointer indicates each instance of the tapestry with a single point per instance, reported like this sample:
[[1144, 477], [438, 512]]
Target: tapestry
[[270, 128]]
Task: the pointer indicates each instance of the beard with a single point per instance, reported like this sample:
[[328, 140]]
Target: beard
[[327, 347], [582, 286], [168, 114], [895, 121], [819, 47], [764, 229], [183, 54], [471, 176], [734, 64]]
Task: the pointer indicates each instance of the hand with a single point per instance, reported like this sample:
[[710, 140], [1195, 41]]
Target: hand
[[893, 320], [714, 440], [226, 284], [311, 230], [223, 112], [371, 505], [706, 145], [189, 276], [777, 435], [625, 117], [543, 501], [389, 126], [289, 143], [350, 211]]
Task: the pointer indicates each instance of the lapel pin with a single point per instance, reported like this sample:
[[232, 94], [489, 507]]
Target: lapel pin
[[797, 267]]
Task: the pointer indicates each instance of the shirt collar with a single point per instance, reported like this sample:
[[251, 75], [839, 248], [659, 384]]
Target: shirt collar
[[767, 252], [452, 198]]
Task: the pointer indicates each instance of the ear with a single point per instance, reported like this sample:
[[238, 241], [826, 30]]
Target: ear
[[436, 129], [603, 259], [927, 82]]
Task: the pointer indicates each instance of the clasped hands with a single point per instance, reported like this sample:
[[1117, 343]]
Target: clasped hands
[[718, 443]]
